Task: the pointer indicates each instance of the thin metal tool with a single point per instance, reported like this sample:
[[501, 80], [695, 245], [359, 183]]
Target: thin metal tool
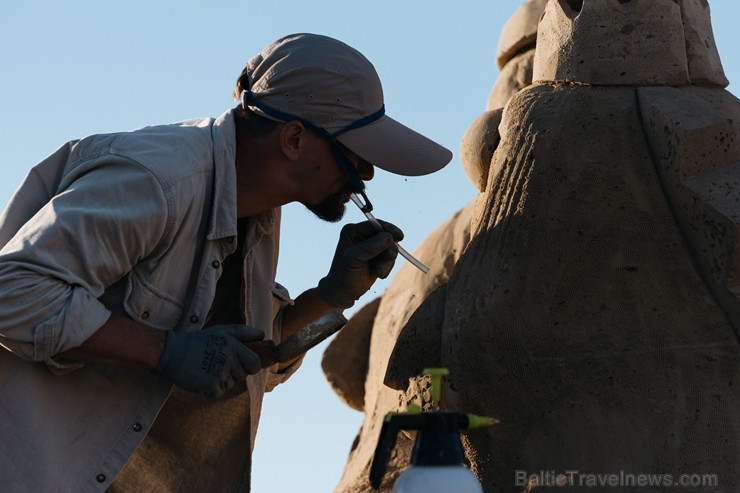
[[366, 208]]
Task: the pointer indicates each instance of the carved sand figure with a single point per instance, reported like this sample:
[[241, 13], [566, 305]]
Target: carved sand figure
[[591, 305], [346, 361]]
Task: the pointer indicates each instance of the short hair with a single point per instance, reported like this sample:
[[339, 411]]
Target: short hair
[[254, 124], [241, 83]]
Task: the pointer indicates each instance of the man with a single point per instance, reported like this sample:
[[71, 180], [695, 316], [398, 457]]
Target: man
[[136, 267]]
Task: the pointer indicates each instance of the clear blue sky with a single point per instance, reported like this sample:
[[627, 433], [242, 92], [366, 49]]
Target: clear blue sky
[[74, 68]]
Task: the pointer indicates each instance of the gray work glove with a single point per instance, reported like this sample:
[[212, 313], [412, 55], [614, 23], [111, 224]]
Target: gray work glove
[[210, 360], [363, 254]]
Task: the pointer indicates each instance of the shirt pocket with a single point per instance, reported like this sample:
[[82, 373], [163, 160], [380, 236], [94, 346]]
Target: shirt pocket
[[151, 306]]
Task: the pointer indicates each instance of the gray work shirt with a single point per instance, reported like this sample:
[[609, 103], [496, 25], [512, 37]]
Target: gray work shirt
[[138, 223]]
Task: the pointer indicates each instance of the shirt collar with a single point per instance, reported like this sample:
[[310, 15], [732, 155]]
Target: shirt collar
[[223, 215]]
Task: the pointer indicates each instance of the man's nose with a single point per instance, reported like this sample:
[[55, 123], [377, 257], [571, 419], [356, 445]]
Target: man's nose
[[365, 170]]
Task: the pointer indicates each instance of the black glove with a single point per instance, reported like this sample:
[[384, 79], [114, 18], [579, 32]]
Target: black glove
[[210, 360], [363, 254]]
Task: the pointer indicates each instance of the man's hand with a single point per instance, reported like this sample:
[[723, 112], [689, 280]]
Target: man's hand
[[363, 254], [209, 361]]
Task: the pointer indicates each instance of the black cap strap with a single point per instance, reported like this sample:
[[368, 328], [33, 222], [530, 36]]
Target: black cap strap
[[247, 98]]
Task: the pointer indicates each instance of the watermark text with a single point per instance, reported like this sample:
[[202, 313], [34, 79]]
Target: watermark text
[[618, 479]]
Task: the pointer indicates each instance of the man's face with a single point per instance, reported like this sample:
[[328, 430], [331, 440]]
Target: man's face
[[332, 207]]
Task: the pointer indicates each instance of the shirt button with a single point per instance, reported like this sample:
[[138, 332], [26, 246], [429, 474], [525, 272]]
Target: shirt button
[[216, 264], [137, 427], [194, 319], [145, 315], [101, 478]]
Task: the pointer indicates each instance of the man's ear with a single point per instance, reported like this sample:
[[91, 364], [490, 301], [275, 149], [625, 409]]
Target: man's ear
[[292, 139]]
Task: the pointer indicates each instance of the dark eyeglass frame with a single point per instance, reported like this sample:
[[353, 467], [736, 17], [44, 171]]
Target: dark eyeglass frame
[[247, 98]]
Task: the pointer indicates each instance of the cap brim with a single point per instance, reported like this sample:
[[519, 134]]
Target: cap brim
[[394, 147]]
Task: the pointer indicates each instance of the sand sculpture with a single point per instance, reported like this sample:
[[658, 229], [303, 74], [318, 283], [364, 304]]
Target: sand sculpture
[[588, 298]]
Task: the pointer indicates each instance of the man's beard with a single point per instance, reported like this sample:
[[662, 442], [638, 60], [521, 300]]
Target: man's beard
[[332, 208]]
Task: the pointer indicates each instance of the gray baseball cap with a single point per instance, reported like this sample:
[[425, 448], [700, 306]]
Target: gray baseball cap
[[333, 86]]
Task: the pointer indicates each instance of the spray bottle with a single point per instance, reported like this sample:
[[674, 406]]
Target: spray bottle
[[437, 460]]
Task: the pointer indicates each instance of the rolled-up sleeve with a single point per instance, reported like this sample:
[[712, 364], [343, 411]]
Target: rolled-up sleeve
[[108, 215], [282, 299]]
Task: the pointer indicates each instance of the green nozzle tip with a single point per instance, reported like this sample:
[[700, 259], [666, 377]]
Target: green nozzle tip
[[436, 374], [413, 408], [475, 421]]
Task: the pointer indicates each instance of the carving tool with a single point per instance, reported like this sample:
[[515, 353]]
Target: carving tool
[[300, 342], [366, 208]]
